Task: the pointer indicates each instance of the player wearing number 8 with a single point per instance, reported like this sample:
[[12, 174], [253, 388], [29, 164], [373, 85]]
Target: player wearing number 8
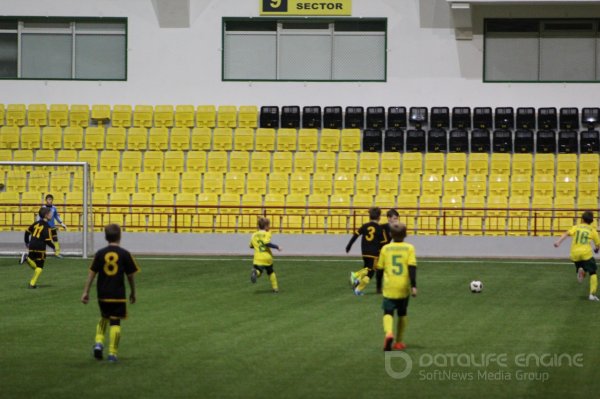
[[399, 264], [111, 264], [584, 235]]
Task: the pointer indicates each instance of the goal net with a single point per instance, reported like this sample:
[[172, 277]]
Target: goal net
[[23, 189]]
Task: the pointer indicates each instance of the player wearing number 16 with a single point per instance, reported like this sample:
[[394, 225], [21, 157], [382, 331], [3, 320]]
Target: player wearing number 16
[[399, 264], [111, 264]]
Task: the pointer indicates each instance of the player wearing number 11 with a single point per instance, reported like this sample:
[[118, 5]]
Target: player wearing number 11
[[111, 264]]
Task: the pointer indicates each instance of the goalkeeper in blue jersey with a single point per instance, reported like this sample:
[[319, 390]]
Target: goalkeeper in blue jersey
[[53, 219]]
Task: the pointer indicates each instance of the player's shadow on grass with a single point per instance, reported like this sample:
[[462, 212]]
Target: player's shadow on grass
[[262, 292]]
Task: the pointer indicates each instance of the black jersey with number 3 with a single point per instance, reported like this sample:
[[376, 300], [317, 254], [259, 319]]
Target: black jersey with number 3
[[372, 238], [112, 263]]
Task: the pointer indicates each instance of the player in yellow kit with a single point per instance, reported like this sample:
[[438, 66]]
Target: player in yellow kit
[[581, 251], [263, 258], [399, 264]]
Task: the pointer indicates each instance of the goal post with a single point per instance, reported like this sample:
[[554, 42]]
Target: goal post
[[23, 188]]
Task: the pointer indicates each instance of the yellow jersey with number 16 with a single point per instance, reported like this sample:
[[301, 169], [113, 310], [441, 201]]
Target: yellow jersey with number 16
[[262, 253], [582, 235], [394, 259]]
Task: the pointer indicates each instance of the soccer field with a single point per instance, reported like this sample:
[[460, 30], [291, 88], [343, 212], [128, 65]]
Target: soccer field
[[201, 329]]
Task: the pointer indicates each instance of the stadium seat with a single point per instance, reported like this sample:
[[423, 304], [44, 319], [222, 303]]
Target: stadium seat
[[354, 117], [518, 216], [37, 115], [332, 117], [148, 182], [340, 211], [207, 209], [186, 209], [15, 115], [119, 204], [366, 183], [434, 163], [480, 141], [544, 164], [217, 161], [300, 183], [343, 184], [437, 140], [184, 116], [566, 164], [454, 185], [58, 115], [275, 203], [431, 184], [137, 138], [153, 161], [541, 212], [589, 164], [248, 116], [51, 138], [476, 185], [322, 183], [45, 156], [350, 140], [191, 182], [565, 215], [73, 138], [522, 164], [38, 181], [256, 183], [60, 182], [543, 185], [115, 138], [304, 162], [222, 139], [213, 182], [412, 162], [283, 162], [180, 139], [587, 186], [94, 138], [260, 161], [121, 116], [290, 116], [394, 140], [163, 116], [110, 160], [478, 163], [243, 139], [451, 215], [100, 114], [235, 183], [375, 118], [100, 201], [30, 138], [545, 142], [589, 143], [318, 208], [347, 162], [566, 185], [229, 208], [158, 220], [498, 184], [325, 162], [103, 182], [390, 162], [16, 181], [141, 211], [458, 141], [567, 141], [456, 163], [286, 140], [388, 184], [206, 116], [79, 115], [415, 140], [495, 224], [227, 116], [239, 161], [362, 201], [330, 140], [369, 162], [311, 117], [158, 139], [201, 139], [66, 156], [294, 207], [383, 201], [169, 182], [472, 223], [174, 161], [30, 204], [132, 161], [22, 156], [500, 163], [265, 139], [143, 116], [586, 203], [307, 140], [372, 140], [196, 161], [9, 137], [429, 212], [520, 185], [125, 182], [89, 156]]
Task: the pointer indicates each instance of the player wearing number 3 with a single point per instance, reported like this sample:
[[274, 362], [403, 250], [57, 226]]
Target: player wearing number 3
[[112, 264], [581, 252]]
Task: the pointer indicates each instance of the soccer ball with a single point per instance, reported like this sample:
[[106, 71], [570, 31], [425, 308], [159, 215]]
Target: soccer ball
[[476, 286]]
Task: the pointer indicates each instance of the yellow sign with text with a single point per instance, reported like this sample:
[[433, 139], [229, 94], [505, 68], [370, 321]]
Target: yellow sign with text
[[306, 7]]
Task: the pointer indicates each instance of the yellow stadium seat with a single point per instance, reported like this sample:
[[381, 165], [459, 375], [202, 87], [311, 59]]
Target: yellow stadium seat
[[184, 116], [243, 138], [454, 185], [73, 138], [186, 208], [330, 140], [286, 139], [388, 184], [544, 164], [163, 116], [119, 203], [260, 161], [132, 161], [252, 207], [410, 184], [343, 184], [121, 116], [153, 161], [248, 116], [213, 182], [479, 163], [350, 140], [565, 215], [110, 160], [158, 220], [206, 116], [495, 224], [347, 162], [169, 182], [522, 164], [256, 183], [196, 161], [541, 212], [366, 183], [207, 208], [60, 182], [412, 162], [9, 137], [308, 139], [115, 138], [295, 205], [2, 115], [304, 162], [191, 182], [174, 161], [222, 139], [103, 182], [566, 185], [476, 185], [15, 115], [100, 201], [38, 181], [227, 116], [566, 164], [588, 164], [282, 162], [180, 138], [300, 183], [125, 182], [326, 162], [384, 201], [369, 162], [16, 181], [322, 183], [278, 183], [30, 138], [314, 222], [239, 161], [66, 156], [474, 210], [58, 115], [431, 185], [520, 185], [518, 215], [23, 156], [235, 183], [201, 139], [265, 139], [158, 139], [229, 209], [362, 201], [456, 163], [498, 185], [275, 204], [147, 182], [37, 115], [586, 203], [141, 210], [500, 163], [587, 186], [45, 156], [52, 138], [543, 185], [94, 138], [451, 214], [137, 139], [79, 115], [101, 114], [143, 116], [217, 161], [30, 204], [434, 163]]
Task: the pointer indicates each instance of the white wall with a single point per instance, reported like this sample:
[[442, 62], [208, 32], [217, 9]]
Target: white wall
[[426, 65]]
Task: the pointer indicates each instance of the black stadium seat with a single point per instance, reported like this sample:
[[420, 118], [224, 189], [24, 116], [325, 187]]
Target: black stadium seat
[[269, 117], [525, 118], [440, 117], [354, 118], [504, 118], [545, 142], [482, 118], [569, 118], [459, 141], [590, 117], [375, 118], [523, 141], [480, 140], [394, 140], [567, 142], [437, 140], [396, 118], [502, 141], [590, 142], [332, 117], [417, 117], [461, 118], [311, 117], [372, 140], [415, 140], [547, 119], [290, 116]]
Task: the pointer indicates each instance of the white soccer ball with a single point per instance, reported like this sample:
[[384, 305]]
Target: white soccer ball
[[476, 286]]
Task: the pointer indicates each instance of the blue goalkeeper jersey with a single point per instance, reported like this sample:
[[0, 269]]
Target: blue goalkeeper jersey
[[52, 217]]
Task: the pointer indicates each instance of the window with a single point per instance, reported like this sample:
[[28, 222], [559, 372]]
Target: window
[[565, 50], [307, 50], [58, 48]]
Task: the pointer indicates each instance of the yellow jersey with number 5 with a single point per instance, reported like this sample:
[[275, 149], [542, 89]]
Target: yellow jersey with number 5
[[262, 253], [583, 234], [394, 259]]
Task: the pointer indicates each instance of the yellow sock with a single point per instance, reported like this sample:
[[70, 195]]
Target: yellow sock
[[401, 324], [258, 273], [31, 263], [388, 320], [115, 337], [363, 283], [56, 247], [101, 330], [36, 275], [593, 284], [361, 273], [273, 279]]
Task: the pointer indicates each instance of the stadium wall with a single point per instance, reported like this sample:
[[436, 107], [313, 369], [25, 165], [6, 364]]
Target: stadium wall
[[426, 65]]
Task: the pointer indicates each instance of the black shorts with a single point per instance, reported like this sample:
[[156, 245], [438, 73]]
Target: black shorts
[[262, 269], [369, 261], [113, 310], [399, 305], [589, 266], [54, 233], [38, 256]]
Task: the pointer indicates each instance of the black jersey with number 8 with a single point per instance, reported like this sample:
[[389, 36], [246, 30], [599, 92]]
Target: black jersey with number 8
[[112, 263]]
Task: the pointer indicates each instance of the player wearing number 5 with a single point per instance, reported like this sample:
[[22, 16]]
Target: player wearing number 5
[[263, 258], [399, 264], [111, 264], [581, 251], [40, 237]]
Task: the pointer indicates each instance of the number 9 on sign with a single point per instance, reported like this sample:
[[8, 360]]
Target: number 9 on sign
[[274, 5]]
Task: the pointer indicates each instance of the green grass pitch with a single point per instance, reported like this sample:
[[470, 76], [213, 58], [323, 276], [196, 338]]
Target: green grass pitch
[[201, 329]]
